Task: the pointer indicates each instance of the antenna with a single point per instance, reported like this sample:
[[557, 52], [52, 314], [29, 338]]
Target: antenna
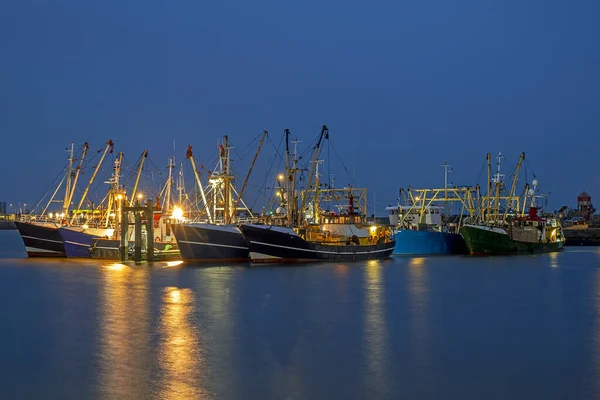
[[447, 168]]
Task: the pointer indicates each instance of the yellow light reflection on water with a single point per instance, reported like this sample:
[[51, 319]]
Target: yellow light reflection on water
[[376, 334], [418, 320], [116, 266], [553, 259], [417, 261], [125, 352], [180, 356]]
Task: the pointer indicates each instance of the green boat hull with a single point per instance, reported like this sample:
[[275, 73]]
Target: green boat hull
[[483, 241]]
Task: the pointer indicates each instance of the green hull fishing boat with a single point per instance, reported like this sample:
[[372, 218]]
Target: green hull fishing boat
[[509, 229], [537, 237]]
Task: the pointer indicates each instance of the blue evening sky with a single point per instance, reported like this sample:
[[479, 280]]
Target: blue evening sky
[[402, 85]]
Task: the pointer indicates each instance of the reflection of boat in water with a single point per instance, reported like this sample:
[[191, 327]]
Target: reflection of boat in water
[[512, 231], [330, 224]]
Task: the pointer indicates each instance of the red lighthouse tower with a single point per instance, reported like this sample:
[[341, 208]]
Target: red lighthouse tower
[[584, 205]]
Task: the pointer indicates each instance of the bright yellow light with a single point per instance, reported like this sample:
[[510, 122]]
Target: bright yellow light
[[140, 196], [173, 263], [373, 229], [280, 177], [50, 215], [175, 296], [116, 266], [85, 226], [417, 198], [62, 215], [177, 212], [120, 197]]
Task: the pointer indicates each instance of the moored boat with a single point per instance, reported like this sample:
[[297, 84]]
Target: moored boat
[[77, 240], [329, 224], [424, 242], [204, 242], [505, 228], [41, 239], [427, 221], [270, 243], [217, 238], [530, 234]]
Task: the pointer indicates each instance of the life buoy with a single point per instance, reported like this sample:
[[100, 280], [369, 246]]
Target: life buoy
[[157, 239]]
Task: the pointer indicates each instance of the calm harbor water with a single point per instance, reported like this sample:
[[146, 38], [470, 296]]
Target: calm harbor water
[[424, 328]]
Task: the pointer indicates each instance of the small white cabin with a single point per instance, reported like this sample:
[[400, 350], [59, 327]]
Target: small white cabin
[[408, 217]]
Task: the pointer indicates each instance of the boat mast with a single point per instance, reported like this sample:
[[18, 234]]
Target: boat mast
[[109, 146], [239, 196], [532, 192], [487, 207], [137, 178], [114, 191], [514, 184], [190, 156], [447, 168], [498, 181], [324, 132], [169, 184], [180, 184], [86, 146], [292, 177], [317, 184], [224, 161], [65, 207], [288, 177]]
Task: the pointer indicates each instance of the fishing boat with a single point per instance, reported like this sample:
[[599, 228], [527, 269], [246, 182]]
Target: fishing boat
[[41, 238], [107, 244], [329, 224], [87, 225], [430, 237], [215, 235], [512, 230], [426, 223], [40, 233]]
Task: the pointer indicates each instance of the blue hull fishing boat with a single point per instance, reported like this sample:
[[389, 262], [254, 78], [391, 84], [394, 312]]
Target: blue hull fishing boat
[[424, 225], [411, 242], [77, 241]]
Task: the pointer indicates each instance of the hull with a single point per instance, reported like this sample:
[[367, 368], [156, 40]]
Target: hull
[[109, 249], [41, 240], [275, 244], [410, 242], [105, 249], [199, 242], [77, 243], [484, 240]]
